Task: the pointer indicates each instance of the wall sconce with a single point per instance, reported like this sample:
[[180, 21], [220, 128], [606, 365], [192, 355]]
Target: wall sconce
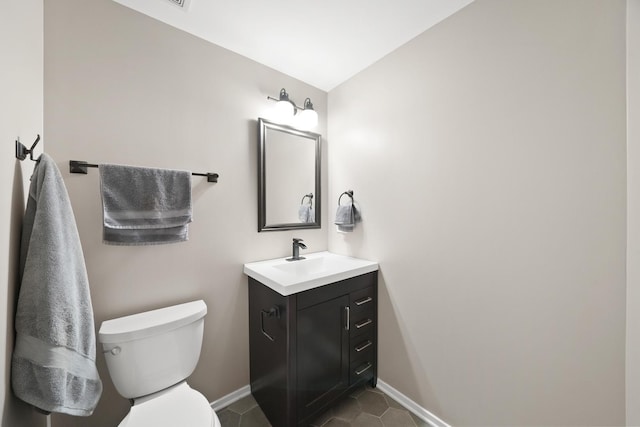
[[286, 111]]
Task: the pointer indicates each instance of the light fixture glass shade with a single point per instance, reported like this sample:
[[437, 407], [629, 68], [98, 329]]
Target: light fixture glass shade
[[283, 112], [307, 119]]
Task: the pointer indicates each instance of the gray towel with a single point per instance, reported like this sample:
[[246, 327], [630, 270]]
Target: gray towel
[[346, 218], [145, 206], [53, 364], [306, 213]]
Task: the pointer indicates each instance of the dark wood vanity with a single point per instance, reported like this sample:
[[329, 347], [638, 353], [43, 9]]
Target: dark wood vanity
[[312, 348]]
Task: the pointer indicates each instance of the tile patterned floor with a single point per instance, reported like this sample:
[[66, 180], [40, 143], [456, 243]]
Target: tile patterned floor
[[366, 407]]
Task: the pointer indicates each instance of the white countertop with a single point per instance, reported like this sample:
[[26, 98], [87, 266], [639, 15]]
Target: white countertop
[[317, 269]]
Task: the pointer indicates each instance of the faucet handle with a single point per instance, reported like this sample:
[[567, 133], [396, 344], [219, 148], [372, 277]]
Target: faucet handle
[[297, 240]]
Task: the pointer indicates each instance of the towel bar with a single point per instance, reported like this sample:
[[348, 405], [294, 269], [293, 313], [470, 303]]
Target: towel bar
[[79, 166]]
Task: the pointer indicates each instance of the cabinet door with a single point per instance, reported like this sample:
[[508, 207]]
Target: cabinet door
[[323, 354]]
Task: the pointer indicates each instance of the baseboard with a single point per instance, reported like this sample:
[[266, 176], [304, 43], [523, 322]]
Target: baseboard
[[230, 398], [418, 410]]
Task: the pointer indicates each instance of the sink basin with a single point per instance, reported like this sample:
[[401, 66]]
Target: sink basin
[[318, 269]]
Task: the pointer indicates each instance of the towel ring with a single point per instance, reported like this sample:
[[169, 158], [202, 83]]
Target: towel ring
[[348, 193], [310, 196]]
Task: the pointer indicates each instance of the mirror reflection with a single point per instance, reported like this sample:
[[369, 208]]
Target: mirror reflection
[[289, 178]]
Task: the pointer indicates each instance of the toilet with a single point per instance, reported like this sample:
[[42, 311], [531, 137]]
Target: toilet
[[149, 357]]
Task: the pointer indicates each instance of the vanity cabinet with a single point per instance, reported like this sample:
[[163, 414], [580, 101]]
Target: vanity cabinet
[[309, 349]]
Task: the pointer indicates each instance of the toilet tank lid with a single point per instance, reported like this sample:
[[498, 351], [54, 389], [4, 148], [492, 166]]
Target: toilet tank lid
[[149, 323]]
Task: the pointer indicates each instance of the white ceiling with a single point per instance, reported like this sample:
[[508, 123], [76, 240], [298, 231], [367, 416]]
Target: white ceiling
[[321, 42]]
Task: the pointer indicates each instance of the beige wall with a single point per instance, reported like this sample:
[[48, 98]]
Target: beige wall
[[488, 157], [21, 89], [123, 88], [633, 212], [21, 86]]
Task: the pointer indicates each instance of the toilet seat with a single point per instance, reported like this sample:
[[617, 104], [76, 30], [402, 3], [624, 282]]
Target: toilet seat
[[177, 406]]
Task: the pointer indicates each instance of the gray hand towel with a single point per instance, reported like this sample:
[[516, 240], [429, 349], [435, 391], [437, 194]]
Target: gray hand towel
[[346, 218], [306, 213], [145, 206], [53, 364]]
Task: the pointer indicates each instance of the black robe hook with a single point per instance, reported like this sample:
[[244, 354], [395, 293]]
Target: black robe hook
[[22, 151]]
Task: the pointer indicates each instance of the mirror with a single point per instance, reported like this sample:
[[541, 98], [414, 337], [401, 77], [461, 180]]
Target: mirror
[[288, 178]]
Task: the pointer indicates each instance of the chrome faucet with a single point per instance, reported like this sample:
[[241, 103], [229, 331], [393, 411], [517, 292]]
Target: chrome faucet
[[297, 244]]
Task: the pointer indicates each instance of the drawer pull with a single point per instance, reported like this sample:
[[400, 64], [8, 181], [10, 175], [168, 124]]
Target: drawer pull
[[347, 315], [363, 346], [364, 301], [363, 324], [363, 369]]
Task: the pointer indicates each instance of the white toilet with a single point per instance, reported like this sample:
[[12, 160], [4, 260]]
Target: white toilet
[[149, 356]]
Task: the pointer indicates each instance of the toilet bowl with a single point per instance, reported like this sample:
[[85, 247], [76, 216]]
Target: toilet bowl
[[149, 357]]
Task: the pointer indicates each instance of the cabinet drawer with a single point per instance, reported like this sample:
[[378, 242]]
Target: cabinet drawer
[[363, 299], [361, 324], [352, 286], [361, 370], [362, 348]]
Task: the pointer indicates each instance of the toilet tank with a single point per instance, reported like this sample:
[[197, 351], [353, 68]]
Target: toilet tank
[[148, 352]]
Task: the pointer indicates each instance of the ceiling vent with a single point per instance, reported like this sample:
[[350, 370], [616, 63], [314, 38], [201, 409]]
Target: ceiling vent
[[182, 4]]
